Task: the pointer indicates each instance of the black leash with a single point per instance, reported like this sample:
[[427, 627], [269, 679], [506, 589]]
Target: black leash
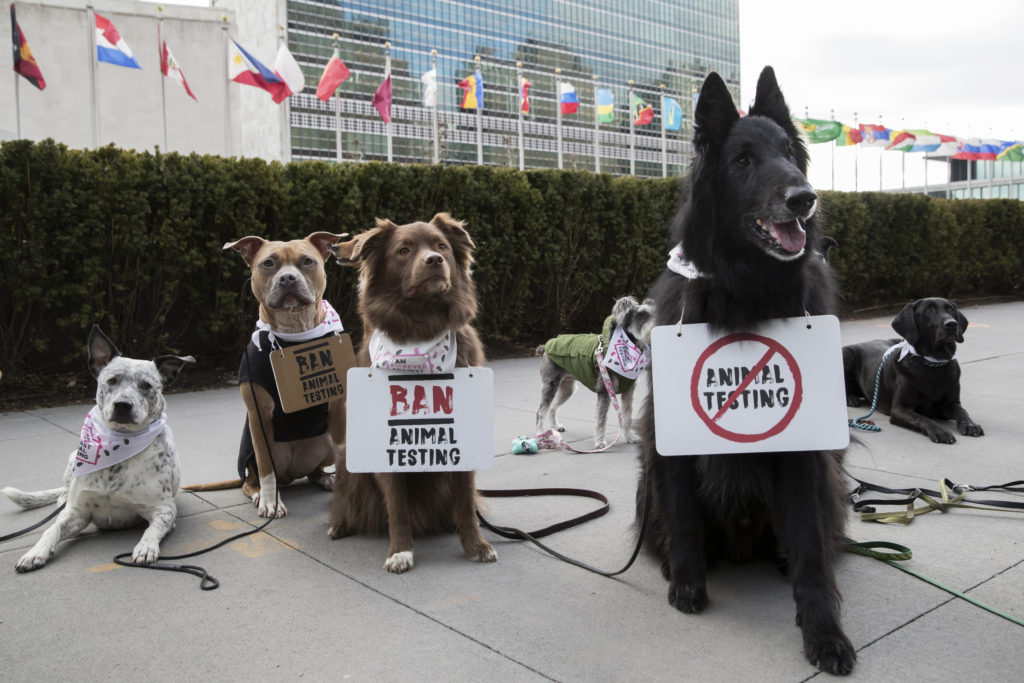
[[949, 495], [207, 582], [34, 526], [519, 534]]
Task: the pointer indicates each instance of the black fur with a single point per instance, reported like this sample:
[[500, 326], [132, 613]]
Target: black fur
[[748, 173]]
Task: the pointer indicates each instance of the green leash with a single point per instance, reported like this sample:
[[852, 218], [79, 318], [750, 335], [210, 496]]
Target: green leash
[[900, 553]]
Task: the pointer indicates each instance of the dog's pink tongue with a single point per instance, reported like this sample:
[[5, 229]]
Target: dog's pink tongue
[[789, 234]]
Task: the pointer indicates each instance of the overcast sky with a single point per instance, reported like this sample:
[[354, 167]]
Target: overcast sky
[[949, 67]]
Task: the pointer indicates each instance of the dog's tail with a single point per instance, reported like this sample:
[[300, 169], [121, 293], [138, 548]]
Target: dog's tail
[[214, 485], [33, 499]]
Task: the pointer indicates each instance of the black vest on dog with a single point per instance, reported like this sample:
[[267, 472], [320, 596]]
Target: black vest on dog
[[302, 424]]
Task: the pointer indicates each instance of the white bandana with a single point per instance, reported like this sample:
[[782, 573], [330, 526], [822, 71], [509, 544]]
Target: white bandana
[[677, 263], [331, 323], [425, 358], [100, 446], [906, 349], [624, 357]]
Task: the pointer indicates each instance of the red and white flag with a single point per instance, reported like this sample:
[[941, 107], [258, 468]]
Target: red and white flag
[[169, 67]]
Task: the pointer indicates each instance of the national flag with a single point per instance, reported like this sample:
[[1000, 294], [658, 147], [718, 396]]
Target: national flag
[[567, 98], [169, 67], [673, 115], [246, 69], [819, 130], [1014, 152], [24, 61], [977, 149], [289, 71], [382, 99], [335, 73], [473, 91], [524, 95], [874, 135], [111, 47], [605, 106], [429, 81], [848, 136], [918, 140], [643, 113]]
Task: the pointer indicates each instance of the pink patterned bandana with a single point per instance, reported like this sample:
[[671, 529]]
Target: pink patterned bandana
[[101, 447]]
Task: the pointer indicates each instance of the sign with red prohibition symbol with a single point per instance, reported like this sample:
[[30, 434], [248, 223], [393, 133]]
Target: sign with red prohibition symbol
[[777, 389]]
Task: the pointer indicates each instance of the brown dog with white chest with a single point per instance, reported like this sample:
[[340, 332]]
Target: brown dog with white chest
[[415, 285], [288, 280]]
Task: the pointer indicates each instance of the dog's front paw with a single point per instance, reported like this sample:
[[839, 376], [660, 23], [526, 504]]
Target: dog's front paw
[[265, 506], [633, 437], [32, 560], [482, 553], [971, 429], [941, 436], [323, 480], [688, 598], [399, 562], [600, 442], [830, 652], [145, 553]]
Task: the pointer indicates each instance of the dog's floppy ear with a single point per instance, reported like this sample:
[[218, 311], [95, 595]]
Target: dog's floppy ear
[[715, 112], [101, 350], [961, 325], [325, 241], [455, 231], [170, 366], [622, 306], [247, 247], [769, 102], [905, 324], [353, 251]]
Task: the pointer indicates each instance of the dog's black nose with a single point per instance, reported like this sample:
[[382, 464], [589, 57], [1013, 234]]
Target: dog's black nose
[[122, 408], [800, 200], [949, 324], [434, 259]]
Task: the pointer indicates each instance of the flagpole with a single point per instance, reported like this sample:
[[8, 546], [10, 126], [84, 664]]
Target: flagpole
[[227, 87], [337, 114], [519, 82], [903, 163], [558, 114], [160, 48], [856, 159], [90, 20], [479, 120], [597, 131], [17, 104], [387, 73], [286, 131], [832, 118], [433, 113], [632, 133], [664, 139]]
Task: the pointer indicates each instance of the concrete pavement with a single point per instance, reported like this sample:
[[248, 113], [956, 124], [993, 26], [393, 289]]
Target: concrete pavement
[[294, 604]]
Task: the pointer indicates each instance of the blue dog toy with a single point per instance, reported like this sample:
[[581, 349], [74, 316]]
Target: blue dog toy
[[523, 444]]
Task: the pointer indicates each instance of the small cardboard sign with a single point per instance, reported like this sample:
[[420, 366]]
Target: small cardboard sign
[[780, 388], [313, 373], [420, 423]]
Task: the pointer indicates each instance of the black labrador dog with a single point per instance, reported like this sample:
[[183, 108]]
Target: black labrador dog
[[920, 379]]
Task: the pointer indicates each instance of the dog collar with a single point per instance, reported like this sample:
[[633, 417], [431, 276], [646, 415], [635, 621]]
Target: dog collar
[[678, 263], [100, 446], [331, 324], [905, 349], [426, 357], [623, 357]]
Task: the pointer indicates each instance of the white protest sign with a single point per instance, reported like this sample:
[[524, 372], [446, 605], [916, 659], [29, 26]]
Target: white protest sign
[[400, 422], [780, 388]]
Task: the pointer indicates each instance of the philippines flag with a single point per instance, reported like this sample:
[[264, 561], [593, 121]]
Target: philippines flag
[[110, 46], [244, 68], [567, 97]]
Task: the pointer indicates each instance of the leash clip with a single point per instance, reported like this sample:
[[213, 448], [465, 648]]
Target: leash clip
[[963, 488]]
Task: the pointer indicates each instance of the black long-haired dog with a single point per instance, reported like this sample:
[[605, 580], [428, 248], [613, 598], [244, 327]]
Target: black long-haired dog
[[747, 238]]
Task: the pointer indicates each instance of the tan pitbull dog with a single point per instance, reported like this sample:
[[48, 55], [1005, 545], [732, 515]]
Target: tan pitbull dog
[[288, 279]]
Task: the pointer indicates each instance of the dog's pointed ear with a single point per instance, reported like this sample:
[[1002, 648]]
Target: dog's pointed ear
[[715, 112], [961, 325], [769, 103], [353, 251], [170, 366], [325, 241], [455, 230], [905, 324], [247, 247], [101, 350]]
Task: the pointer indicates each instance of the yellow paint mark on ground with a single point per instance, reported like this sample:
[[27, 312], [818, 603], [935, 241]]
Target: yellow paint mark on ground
[[100, 568], [227, 525], [259, 545]]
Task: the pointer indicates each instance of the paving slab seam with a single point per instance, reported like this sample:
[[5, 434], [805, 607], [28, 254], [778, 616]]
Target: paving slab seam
[[999, 357]]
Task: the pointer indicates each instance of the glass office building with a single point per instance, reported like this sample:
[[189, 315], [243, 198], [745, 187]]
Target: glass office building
[[664, 47]]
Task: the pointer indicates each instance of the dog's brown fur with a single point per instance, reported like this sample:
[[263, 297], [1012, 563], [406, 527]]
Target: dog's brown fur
[[410, 296]]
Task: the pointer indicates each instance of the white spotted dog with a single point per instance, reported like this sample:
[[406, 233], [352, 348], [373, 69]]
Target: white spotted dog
[[569, 358], [125, 469]]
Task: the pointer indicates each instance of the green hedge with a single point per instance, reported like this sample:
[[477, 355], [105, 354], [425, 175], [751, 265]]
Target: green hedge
[[133, 241]]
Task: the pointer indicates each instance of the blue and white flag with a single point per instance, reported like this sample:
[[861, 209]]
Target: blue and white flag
[[110, 46]]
